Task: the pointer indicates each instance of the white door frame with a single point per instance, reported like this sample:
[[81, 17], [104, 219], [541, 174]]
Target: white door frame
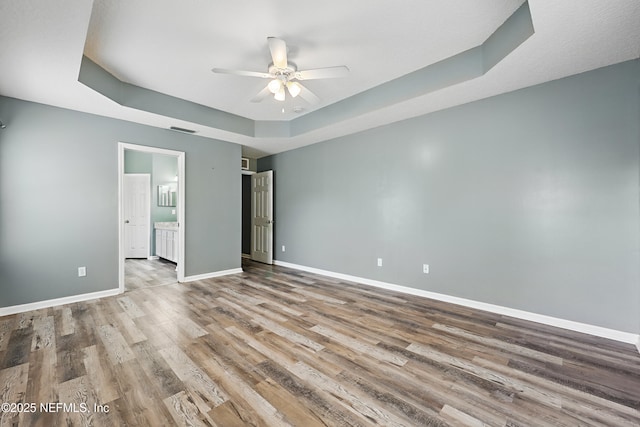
[[122, 146]]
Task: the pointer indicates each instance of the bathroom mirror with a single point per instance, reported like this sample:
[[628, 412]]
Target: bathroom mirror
[[167, 195]]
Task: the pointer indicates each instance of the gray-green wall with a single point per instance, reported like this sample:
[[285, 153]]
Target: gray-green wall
[[59, 200], [528, 200]]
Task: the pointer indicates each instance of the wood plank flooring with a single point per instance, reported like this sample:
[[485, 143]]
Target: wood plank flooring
[[144, 273], [279, 347]]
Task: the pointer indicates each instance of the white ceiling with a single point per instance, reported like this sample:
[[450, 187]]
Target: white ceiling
[[170, 47]]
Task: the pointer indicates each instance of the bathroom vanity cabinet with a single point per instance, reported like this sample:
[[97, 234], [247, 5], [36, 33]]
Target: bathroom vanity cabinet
[[167, 240]]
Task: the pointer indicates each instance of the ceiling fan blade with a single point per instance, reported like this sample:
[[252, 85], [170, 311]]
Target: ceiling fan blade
[[243, 73], [308, 96], [323, 73], [278, 50], [261, 95]]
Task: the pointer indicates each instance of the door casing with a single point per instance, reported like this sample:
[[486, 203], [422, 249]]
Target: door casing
[[180, 155]]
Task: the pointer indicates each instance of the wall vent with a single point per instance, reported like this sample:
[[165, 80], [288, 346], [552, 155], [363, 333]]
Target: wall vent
[[182, 129], [245, 164]]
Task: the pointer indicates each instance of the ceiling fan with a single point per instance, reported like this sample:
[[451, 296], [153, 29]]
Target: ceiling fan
[[284, 74]]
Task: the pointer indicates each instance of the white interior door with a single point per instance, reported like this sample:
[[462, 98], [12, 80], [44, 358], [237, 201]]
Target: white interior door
[[262, 217], [137, 216]]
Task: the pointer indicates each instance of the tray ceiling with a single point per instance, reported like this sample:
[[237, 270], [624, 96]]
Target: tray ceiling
[[169, 48]]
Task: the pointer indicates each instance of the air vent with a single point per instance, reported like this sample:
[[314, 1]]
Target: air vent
[[182, 129], [245, 164]]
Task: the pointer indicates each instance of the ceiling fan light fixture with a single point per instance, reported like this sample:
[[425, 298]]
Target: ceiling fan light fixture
[[282, 75], [280, 95], [275, 86], [294, 89]]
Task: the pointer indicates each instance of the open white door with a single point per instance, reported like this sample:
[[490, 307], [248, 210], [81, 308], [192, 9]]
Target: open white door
[[262, 217], [136, 191]]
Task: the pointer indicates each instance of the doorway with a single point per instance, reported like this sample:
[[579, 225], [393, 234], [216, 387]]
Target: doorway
[[246, 214], [257, 216], [262, 217], [179, 182]]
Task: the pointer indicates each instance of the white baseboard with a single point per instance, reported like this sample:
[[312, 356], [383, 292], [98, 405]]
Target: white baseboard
[[5, 311], [247, 256], [598, 331], [213, 274], [153, 257]]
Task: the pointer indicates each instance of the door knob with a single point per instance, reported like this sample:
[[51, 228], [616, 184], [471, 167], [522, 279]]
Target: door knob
[[126, 221]]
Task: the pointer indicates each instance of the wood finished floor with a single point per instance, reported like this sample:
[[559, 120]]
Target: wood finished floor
[[277, 347], [144, 273]]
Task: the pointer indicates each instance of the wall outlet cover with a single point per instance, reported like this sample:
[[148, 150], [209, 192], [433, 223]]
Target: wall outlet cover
[[82, 271], [379, 262]]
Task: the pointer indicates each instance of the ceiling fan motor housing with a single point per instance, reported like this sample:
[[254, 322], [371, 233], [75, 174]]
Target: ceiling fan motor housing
[[283, 74]]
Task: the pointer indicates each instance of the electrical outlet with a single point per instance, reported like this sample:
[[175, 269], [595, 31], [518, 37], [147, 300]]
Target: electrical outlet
[[425, 268], [379, 262], [173, 211], [82, 271], [282, 248]]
